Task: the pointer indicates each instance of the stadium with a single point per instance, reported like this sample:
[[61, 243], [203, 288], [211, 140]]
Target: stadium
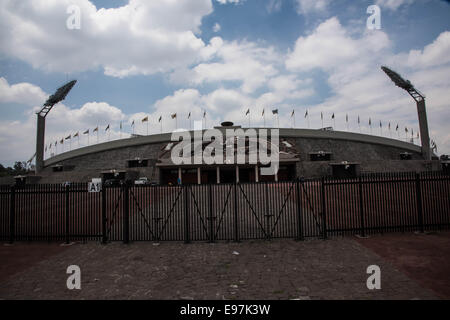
[[302, 153]]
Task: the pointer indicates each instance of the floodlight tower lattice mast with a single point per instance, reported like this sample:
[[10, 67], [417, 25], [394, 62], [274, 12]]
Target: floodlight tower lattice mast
[[419, 98], [59, 96]]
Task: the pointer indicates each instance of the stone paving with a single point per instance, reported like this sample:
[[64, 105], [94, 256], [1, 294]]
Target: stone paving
[[279, 269]]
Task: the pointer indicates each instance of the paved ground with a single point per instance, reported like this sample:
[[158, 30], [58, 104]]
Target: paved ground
[[281, 269], [424, 258]]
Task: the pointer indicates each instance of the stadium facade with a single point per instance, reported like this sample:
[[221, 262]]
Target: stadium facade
[[302, 153]]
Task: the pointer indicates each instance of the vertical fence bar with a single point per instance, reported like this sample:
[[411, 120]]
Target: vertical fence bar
[[419, 203], [12, 214], [299, 214], [186, 218], [104, 221], [361, 209], [236, 226], [126, 215], [324, 215], [67, 212], [211, 218]]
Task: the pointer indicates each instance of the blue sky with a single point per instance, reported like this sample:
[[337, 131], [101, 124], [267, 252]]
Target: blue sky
[[137, 59]]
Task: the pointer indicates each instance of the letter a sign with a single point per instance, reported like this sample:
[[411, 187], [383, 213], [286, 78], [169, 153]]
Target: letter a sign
[[95, 185]]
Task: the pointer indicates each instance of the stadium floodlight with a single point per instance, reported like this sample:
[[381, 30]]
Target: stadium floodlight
[[421, 110], [55, 98]]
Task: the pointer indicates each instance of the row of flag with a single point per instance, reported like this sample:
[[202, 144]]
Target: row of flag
[[247, 113]]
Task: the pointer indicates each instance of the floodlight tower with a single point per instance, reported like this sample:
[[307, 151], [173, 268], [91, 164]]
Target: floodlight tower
[[59, 96], [421, 110]]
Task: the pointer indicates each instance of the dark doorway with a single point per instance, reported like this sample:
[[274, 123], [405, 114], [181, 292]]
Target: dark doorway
[[227, 175]]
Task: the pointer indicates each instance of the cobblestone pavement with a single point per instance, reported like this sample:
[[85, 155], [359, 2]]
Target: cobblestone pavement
[[279, 269]]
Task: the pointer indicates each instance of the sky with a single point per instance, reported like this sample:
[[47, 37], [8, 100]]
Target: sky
[[137, 58]]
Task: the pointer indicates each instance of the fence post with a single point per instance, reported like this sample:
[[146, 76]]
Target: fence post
[[126, 214], [236, 225], [324, 215], [67, 211], [299, 214], [12, 214], [104, 226], [211, 218], [187, 238], [419, 203], [361, 208]]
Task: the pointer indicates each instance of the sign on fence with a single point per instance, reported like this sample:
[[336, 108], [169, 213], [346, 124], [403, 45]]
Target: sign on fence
[[95, 185]]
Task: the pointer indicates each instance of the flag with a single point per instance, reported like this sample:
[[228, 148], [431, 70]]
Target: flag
[[321, 115], [76, 135], [332, 117], [107, 128], [275, 111], [396, 128], [174, 116], [56, 143], [160, 119], [145, 119], [86, 132], [263, 113], [370, 122], [189, 115], [359, 120], [95, 130], [306, 113], [204, 114], [406, 129], [248, 111], [69, 137], [381, 125], [293, 113], [389, 126], [62, 141], [346, 118], [120, 125], [132, 123]]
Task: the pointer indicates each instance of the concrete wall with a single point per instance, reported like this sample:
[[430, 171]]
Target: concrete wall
[[375, 154]]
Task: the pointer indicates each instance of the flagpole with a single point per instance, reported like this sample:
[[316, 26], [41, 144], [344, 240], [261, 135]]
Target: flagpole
[[264, 119]]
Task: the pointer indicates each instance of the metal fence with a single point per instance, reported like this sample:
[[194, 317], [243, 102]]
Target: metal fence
[[374, 203]]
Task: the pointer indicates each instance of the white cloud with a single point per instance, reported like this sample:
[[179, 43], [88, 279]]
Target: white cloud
[[330, 46], [393, 4], [142, 37], [310, 6], [217, 27], [359, 87], [434, 54], [21, 93], [274, 5], [246, 62], [230, 1]]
